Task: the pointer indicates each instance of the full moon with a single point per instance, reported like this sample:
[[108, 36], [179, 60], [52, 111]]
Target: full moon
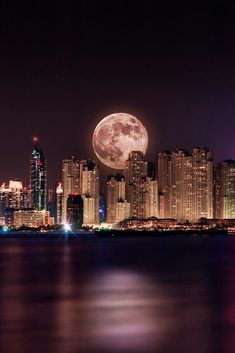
[[116, 136]]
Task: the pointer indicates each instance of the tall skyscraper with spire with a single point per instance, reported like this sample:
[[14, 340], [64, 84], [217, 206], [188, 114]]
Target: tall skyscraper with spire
[[38, 177]]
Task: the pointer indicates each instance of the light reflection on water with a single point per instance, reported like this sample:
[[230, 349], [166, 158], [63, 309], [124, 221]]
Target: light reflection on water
[[118, 311], [153, 295]]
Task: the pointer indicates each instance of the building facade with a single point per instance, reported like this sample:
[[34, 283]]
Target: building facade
[[70, 182], [89, 171], [149, 198], [38, 178], [136, 168], [75, 210], [118, 208], [59, 204], [11, 196], [31, 218], [185, 184], [224, 195]]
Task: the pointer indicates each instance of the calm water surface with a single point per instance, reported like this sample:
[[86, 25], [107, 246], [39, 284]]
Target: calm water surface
[[165, 295]]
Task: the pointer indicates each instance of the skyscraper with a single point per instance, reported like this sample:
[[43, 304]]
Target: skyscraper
[[51, 202], [136, 168], [182, 186], [26, 201], [59, 203], [38, 177], [186, 184], [89, 176], [70, 182], [11, 196], [149, 197], [225, 190], [202, 183], [118, 208], [165, 184], [75, 210]]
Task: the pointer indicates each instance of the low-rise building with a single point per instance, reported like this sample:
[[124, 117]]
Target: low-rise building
[[151, 223], [32, 218]]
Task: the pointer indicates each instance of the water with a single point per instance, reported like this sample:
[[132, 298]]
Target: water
[[173, 295]]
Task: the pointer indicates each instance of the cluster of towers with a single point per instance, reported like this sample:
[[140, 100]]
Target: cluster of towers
[[184, 186], [191, 187], [77, 199], [27, 205], [133, 194]]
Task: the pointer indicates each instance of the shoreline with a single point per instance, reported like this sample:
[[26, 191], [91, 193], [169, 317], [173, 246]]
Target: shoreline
[[115, 233]]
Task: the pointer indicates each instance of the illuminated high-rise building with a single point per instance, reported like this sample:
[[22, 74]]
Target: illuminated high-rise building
[[202, 183], [118, 208], [136, 168], [165, 184], [225, 190], [51, 202], [217, 191], [186, 184], [122, 210], [182, 186], [26, 201], [149, 197], [59, 203], [70, 182], [14, 197], [75, 210], [11, 196], [89, 176], [38, 177], [16, 188]]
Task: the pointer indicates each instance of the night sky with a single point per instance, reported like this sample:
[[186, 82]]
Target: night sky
[[66, 65]]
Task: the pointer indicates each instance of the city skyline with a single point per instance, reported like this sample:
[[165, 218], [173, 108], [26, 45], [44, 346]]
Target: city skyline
[[105, 170], [182, 186]]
